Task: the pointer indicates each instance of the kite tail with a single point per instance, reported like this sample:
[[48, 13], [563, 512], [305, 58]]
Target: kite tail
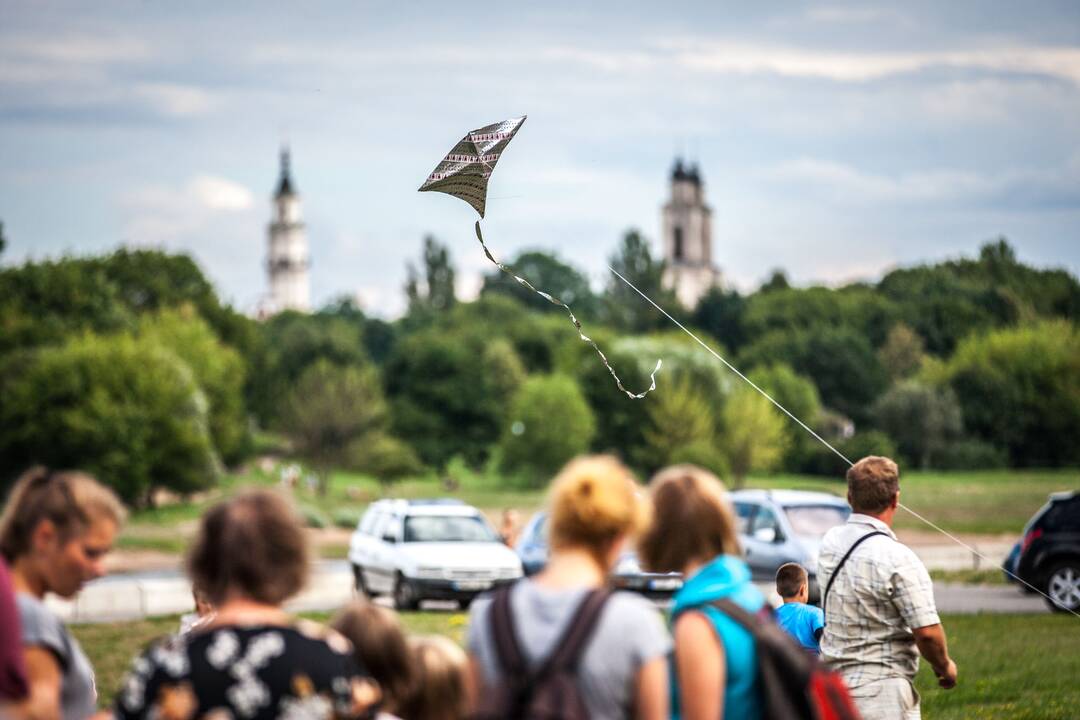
[[577, 324]]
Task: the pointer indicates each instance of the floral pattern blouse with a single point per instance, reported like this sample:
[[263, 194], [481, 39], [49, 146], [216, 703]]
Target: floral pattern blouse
[[260, 672]]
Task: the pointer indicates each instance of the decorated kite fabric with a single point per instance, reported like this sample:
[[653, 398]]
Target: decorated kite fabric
[[464, 173]]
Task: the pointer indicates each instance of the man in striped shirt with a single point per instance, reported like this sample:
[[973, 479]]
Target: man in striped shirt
[[879, 606]]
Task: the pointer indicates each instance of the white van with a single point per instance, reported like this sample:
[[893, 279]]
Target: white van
[[417, 550]]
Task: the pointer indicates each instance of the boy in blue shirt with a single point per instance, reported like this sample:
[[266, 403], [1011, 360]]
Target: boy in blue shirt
[[803, 622]]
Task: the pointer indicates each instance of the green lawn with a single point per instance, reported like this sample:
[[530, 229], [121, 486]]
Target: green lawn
[[1014, 667]]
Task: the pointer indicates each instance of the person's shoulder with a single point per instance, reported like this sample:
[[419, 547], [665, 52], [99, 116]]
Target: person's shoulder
[[40, 625], [630, 605], [319, 635]]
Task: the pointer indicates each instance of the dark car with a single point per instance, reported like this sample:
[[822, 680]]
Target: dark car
[[532, 548], [1049, 556]]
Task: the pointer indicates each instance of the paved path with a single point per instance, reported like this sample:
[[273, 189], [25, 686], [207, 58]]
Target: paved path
[[139, 595]]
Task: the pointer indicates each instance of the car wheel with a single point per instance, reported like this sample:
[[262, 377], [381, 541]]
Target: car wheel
[[1063, 586], [404, 594], [358, 581]]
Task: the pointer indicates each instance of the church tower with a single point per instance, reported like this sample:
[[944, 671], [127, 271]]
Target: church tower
[[288, 261], [686, 226]]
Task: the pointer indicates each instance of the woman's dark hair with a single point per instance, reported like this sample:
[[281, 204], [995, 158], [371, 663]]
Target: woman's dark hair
[[70, 500], [252, 545]]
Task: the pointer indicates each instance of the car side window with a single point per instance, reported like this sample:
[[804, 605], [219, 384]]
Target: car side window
[[1063, 516], [744, 513], [377, 524], [367, 522], [391, 527], [765, 519]]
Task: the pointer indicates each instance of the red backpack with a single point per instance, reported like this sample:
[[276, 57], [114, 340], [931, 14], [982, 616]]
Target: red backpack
[[795, 685], [550, 692]]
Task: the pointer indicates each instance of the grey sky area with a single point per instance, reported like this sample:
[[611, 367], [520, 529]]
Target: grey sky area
[[836, 140]]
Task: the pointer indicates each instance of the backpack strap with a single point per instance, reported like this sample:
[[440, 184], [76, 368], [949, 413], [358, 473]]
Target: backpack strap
[[511, 659], [836, 571]]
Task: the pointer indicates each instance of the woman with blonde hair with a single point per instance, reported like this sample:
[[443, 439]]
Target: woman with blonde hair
[[55, 532], [594, 508], [694, 532]]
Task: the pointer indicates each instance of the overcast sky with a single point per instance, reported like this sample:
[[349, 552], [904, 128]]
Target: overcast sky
[[836, 140]]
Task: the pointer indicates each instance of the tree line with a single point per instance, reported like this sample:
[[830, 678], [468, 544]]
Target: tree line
[[129, 365]]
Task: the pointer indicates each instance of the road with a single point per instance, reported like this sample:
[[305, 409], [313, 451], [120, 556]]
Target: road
[[137, 595]]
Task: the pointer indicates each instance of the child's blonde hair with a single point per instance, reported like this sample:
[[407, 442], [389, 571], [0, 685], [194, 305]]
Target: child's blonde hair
[[440, 690], [594, 500]]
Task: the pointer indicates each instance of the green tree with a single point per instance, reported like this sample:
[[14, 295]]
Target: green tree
[[126, 410], [800, 397], [838, 360], [219, 371], [903, 352], [384, 457], [549, 423], [434, 291], [624, 309], [924, 421], [680, 417], [450, 390], [330, 408], [545, 272], [777, 281], [753, 435], [1019, 389], [720, 313]]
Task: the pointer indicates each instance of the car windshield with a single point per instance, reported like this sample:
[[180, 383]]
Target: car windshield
[[813, 521], [448, 528]]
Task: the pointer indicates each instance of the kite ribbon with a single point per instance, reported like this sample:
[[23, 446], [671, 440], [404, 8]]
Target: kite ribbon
[[584, 338]]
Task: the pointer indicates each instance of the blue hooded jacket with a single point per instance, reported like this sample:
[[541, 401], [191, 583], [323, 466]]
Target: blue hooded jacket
[[726, 577]]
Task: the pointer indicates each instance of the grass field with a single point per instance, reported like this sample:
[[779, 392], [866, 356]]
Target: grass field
[[1012, 667], [961, 502]]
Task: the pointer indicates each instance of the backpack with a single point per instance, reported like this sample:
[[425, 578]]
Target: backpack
[[795, 685], [551, 691]]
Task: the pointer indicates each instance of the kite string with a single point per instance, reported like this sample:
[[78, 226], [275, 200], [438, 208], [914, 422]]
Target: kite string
[[823, 441], [577, 324]]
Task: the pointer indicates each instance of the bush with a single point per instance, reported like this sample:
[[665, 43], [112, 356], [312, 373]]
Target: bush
[[872, 442], [313, 517], [923, 420], [125, 410], [550, 422], [1019, 389], [218, 369], [385, 458], [971, 454], [347, 518]]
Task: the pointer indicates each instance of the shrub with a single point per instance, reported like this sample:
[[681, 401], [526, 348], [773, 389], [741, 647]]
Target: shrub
[[550, 422], [385, 458], [313, 517], [347, 518], [971, 454], [125, 410]]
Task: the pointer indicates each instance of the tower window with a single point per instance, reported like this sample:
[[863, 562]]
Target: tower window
[[678, 250]]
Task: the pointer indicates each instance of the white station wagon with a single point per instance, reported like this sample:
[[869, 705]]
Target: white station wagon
[[417, 550]]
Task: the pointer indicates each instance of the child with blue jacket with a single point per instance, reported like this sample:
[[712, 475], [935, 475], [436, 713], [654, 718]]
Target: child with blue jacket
[[802, 621]]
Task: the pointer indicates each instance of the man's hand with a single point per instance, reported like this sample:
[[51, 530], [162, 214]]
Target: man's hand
[[947, 679]]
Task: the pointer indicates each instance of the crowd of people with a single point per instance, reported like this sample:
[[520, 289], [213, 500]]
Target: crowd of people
[[558, 644]]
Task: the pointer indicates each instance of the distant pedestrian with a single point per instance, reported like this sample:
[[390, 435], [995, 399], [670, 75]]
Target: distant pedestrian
[[441, 691], [796, 616], [694, 532], [878, 601], [56, 529], [620, 670], [252, 661], [381, 647], [510, 526]]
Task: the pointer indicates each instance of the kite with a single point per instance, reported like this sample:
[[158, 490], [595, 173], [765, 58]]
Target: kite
[[464, 174]]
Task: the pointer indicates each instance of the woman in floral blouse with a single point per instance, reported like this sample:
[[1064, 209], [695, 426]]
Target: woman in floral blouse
[[252, 662]]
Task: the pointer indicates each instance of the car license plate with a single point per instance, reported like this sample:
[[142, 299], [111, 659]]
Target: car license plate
[[665, 584], [472, 585]]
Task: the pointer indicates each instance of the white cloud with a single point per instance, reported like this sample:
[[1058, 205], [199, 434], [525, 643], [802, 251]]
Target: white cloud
[[742, 58], [174, 99], [220, 194]]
